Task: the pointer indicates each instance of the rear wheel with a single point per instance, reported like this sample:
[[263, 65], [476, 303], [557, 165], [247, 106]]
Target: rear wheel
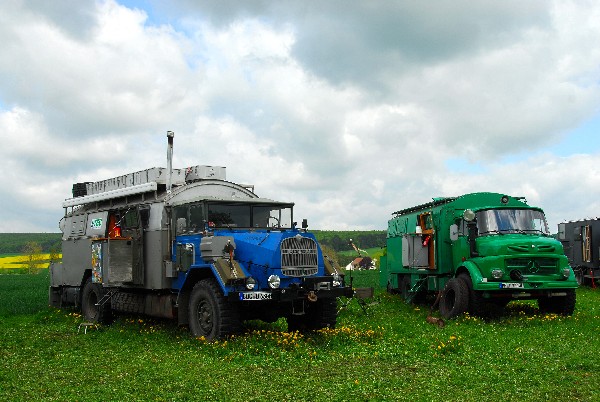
[[90, 308], [455, 298], [564, 305], [210, 316]]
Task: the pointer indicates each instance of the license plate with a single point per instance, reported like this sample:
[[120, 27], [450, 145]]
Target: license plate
[[511, 286], [256, 296]]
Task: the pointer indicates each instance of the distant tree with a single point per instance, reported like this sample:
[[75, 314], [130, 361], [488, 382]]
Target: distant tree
[[33, 251], [55, 252]]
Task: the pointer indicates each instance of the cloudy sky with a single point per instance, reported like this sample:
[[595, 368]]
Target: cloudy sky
[[352, 110]]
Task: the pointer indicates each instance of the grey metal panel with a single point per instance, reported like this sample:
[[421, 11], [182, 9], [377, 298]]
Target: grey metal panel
[[77, 257], [405, 259], [414, 254], [205, 172], [56, 273], [156, 216], [211, 247], [74, 226], [156, 249], [120, 261]]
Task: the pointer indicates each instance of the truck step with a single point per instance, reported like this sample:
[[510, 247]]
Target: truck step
[[415, 289]]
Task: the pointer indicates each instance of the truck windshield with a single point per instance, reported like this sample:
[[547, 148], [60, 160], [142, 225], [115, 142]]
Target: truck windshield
[[249, 215], [504, 221]]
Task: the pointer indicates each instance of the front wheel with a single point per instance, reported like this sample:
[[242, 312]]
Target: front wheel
[[210, 315], [564, 305], [455, 298]]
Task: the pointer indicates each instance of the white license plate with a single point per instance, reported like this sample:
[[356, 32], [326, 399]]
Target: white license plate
[[511, 286], [256, 296]]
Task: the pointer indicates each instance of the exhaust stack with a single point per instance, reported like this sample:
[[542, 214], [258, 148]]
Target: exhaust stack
[[170, 136]]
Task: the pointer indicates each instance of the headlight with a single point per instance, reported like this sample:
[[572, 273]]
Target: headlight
[[497, 273], [274, 282], [337, 279], [250, 283], [566, 272]]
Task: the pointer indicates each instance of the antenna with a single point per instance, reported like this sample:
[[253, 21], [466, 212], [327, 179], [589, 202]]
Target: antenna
[[170, 136]]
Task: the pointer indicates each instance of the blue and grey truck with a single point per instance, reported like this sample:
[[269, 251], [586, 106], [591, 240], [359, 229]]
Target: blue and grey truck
[[189, 245]]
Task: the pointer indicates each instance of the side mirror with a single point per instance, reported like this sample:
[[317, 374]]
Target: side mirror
[[454, 232]]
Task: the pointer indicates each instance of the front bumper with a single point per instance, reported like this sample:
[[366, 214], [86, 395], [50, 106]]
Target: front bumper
[[525, 289], [319, 287]]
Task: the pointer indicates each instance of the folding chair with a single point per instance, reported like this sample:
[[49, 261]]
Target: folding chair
[[361, 295]]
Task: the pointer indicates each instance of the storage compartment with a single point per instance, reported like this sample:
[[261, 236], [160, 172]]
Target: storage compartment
[[112, 261], [414, 254]]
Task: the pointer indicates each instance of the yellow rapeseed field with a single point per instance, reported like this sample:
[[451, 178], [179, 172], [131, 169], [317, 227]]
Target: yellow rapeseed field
[[22, 261]]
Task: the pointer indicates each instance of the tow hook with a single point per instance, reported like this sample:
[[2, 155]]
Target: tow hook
[[312, 296]]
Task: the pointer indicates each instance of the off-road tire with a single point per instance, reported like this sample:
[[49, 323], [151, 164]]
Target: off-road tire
[[455, 299], [210, 315], [563, 305], [91, 295]]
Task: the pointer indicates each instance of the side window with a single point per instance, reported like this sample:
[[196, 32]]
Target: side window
[[197, 219], [130, 219], [114, 225], [462, 227], [145, 216], [180, 220], [425, 221]]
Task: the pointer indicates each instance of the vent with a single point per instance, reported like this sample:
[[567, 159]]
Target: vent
[[523, 248], [299, 256]]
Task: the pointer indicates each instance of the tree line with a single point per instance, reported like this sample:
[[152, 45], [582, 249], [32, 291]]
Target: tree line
[[16, 243], [340, 240]]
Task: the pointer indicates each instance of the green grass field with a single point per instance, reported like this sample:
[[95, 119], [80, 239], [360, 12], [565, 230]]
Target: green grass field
[[390, 354]]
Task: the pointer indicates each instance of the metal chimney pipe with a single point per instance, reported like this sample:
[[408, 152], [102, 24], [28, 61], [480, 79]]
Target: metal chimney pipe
[[170, 136]]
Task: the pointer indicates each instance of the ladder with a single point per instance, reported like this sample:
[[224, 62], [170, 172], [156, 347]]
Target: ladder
[[106, 298], [415, 289], [587, 243]]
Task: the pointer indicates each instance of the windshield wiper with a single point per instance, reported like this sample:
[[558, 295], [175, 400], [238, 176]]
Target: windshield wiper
[[534, 231], [492, 232]]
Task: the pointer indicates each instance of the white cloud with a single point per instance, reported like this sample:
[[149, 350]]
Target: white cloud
[[352, 111]]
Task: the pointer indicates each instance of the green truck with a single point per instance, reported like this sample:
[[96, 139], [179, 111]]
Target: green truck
[[477, 252]]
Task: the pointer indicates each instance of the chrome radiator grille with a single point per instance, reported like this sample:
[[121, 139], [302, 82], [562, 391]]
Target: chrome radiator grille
[[298, 256]]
